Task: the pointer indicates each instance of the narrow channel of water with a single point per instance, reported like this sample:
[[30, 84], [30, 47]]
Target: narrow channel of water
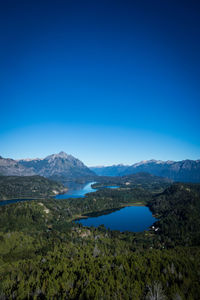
[[78, 193], [73, 193]]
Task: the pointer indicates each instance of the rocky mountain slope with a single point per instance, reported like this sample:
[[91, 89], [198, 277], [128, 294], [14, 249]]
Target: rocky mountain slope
[[10, 166], [53, 166], [185, 170], [60, 164]]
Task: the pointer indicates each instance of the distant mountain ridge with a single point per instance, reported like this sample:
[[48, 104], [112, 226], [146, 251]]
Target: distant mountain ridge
[[52, 166], [114, 170], [185, 170], [63, 166], [10, 166]]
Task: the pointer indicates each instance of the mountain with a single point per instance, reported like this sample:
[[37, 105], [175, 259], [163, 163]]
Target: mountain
[[65, 167], [185, 170], [61, 166], [57, 166], [10, 166]]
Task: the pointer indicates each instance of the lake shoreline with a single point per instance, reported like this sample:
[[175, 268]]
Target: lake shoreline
[[132, 218], [107, 211]]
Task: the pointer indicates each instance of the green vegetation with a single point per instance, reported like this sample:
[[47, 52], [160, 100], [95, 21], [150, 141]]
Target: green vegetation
[[12, 187], [139, 180], [43, 255], [178, 209]]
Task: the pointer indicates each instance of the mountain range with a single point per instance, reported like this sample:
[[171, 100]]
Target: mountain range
[[64, 167], [55, 166], [185, 170]]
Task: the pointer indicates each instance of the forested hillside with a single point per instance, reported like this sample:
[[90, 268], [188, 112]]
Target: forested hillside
[[44, 255], [13, 187]]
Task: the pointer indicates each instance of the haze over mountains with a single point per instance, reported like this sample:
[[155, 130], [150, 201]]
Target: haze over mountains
[[185, 170], [64, 166]]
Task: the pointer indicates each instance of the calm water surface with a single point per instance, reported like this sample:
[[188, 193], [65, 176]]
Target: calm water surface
[[77, 193], [131, 218]]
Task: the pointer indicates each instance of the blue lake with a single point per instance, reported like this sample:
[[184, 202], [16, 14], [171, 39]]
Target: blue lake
[[77, 193], [131, 218], [81, 191]]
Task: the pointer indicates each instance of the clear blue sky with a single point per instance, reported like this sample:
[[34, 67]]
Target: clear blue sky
[[106, 81]]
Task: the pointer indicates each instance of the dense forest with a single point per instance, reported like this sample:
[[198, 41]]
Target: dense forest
[[45, 255], [12, 187]]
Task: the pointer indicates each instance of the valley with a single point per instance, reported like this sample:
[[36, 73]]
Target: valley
[[61, 246]]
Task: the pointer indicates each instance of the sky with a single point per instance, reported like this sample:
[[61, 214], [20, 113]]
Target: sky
[[107, 81]]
